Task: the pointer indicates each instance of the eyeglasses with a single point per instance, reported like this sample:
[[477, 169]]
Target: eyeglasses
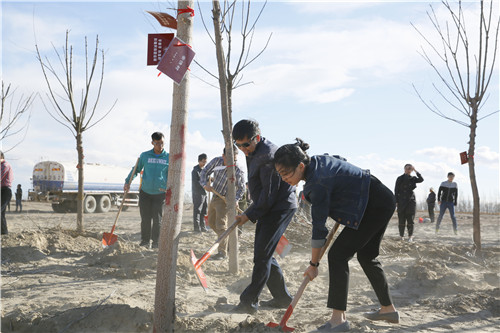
[[245, 144], [158, 143]]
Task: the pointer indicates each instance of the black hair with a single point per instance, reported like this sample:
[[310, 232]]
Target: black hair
[[202, 157], [157, 136], [245, 128], [291, 155], [451, 174], [2, 156], [408, 165], [235, 151]]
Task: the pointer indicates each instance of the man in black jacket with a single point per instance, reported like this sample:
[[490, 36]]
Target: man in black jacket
[[405, 200], [273, 205], [447, 199], [199, 195], [431, 203]]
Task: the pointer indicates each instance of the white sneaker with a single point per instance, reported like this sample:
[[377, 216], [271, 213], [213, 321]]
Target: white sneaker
[[410, 239], [402, 238]]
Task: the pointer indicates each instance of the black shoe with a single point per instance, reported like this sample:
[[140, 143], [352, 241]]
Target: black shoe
[[275, 303], [244, 308], [155, 245], [204, 230], [145, 244], [219, 256]]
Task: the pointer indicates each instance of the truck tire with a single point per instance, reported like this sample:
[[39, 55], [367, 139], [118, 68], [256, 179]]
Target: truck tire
[[89, 204], [104, 204]]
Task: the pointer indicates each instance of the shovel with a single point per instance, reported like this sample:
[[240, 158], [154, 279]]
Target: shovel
[[302, 287], [198, 262], [110, 238]]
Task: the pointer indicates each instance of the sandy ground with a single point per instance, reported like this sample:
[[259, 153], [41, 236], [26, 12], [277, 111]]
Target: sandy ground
[[56, 281]]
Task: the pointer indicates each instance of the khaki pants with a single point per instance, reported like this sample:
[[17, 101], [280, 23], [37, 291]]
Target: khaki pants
[[217, 220]]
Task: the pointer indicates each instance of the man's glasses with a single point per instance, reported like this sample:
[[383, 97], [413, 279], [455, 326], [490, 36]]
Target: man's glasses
[[245, 144], [158, 143]]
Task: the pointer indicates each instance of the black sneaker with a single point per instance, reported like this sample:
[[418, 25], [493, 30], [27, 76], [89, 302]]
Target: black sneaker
[[244, 308], [275, 303], [145, 244], [154, 245]]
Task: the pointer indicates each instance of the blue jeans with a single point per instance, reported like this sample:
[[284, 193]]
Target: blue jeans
[[266, 269], [442, 209]]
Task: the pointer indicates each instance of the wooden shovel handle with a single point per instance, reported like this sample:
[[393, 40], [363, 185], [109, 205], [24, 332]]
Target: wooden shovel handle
[[125, 194]]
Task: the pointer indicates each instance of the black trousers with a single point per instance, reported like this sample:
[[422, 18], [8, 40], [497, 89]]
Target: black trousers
[[151, 209], [6, 194], [199, 211], [266, 270], [366, 243], [406, 217], [430, 208]]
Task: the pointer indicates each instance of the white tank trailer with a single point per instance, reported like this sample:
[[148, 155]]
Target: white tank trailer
[[57, 183]]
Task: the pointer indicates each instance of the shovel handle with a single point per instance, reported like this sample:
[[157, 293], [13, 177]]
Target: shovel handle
[[216, 244], [224, 198], [125, 194], [306, 280]]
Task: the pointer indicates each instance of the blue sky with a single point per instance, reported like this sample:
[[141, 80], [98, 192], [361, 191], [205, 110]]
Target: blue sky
[[337, 74]]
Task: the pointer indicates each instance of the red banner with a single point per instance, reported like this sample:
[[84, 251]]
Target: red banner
[[157, 44], [164, 19]]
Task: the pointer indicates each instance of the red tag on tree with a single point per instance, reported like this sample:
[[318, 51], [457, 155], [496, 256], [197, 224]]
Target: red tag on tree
[[463, 157], [176, 60]]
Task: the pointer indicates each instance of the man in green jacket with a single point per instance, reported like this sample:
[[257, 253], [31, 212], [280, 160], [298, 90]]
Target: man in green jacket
[[154, 162]]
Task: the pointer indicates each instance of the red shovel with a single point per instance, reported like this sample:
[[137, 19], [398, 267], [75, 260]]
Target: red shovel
[[198, 262], [302, 287], [110, 238]]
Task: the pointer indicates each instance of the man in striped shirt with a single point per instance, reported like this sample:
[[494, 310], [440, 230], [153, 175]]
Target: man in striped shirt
[[217, 210], [6, 192]]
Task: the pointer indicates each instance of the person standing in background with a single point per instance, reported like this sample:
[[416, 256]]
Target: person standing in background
[[405, 200], [19, 198], [431, 203], [447, 199], [199, 195], [6, 192], [152, 193]]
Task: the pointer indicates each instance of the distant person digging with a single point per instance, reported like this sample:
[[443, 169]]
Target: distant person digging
[[447, 199], [6, 192], [217, 211], [405, 200]]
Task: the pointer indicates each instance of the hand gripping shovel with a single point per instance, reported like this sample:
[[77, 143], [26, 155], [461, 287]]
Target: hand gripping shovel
[[284, 245], [198, 262], [110, 238], [302, 287]]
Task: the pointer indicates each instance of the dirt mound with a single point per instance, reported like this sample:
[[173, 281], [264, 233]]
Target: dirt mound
[[98, 318]]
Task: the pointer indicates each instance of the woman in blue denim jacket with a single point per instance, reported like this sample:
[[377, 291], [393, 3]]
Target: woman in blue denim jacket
[[355, 199]]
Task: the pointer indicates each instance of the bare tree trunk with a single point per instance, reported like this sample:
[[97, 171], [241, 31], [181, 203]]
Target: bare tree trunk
[[228, 138], [476, 223], [164, 313], [79, 198]]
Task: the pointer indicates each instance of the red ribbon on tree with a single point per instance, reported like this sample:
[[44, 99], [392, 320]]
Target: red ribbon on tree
[[186, 10]]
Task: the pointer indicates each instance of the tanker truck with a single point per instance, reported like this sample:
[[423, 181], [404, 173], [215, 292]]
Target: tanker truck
[[57, 183]]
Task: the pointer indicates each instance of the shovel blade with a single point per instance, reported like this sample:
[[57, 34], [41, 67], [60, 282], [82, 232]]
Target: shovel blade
[[284, 328], [199, 272], [108, 239]]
